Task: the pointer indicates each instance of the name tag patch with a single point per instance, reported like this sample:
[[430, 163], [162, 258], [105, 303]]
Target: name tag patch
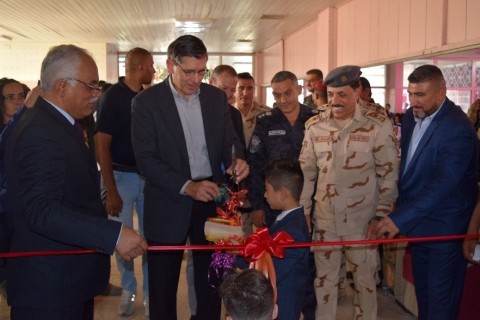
[[276, 133], [359, 137], [323, 138]]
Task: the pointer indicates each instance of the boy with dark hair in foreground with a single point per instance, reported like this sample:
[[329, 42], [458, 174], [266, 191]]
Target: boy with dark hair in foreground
[[283, 186], [248, 295]]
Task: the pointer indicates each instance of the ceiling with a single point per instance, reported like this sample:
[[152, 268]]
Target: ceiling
[[236, 26]]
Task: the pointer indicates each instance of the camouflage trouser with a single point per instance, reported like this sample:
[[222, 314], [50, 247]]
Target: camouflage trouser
[[363, 263]]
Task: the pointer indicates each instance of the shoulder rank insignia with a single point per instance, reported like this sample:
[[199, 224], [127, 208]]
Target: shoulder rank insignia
[[311, 121], [375, 115], [264, 114]]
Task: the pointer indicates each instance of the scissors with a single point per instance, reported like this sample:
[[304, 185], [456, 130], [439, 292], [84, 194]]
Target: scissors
[[234, 164]]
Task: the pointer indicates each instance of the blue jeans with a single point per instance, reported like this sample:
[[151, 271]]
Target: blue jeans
[[130, 187]]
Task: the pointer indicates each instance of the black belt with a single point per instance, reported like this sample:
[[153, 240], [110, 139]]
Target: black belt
[[124, 168]]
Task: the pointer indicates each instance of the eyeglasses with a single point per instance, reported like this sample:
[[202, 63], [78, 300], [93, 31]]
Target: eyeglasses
[[12, 96], [90, 87], [191, 73]]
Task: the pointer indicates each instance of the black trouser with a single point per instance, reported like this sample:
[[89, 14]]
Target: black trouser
[[164, 271], [82, 311], [6, 234], [310, 302]]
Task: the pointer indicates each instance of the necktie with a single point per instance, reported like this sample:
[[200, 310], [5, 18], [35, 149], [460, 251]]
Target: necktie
[[79, 127]]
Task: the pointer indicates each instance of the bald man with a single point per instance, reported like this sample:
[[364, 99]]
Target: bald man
[[123, 186]]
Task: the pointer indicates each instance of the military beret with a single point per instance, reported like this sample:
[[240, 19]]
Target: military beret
[[342, 76], [320, 86]]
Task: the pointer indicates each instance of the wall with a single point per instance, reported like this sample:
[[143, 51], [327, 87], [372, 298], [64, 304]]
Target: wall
[[28, 70], [372, 32], [272, 61]]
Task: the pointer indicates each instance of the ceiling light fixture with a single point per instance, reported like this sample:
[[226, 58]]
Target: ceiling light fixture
[[192, 26]]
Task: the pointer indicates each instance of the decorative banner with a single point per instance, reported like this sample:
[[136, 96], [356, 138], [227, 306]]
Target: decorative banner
[[242, 247]]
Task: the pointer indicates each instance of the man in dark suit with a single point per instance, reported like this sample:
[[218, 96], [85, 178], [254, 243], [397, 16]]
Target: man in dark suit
[[54, 185], [182, 132], [437, 191]]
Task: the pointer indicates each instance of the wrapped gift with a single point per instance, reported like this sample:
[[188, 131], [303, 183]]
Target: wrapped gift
[[217, 229]]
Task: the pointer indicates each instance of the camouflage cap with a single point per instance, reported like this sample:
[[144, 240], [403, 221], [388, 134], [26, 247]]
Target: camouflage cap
[[343, 76]]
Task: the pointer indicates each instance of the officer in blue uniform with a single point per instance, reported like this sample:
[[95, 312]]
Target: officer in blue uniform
[[278, 134]]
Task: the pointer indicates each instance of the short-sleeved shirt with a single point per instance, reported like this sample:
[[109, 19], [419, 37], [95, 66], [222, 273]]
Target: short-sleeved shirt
[[273, 138], [115, 120], [250, 119]]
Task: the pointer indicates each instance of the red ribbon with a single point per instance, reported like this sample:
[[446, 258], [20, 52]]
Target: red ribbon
[[242, 247], [260, 242]]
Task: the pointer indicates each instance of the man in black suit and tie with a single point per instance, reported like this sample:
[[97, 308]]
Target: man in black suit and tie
[[182, 132], [54, 185]]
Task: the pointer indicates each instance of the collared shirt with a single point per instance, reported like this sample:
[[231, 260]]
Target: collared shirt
[[421, 127], [63, 112], [250, 120], [190, 113], [284, 214]]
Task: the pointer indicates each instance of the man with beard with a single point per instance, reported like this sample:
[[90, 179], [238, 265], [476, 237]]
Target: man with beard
[[349, 152], [437, 192]]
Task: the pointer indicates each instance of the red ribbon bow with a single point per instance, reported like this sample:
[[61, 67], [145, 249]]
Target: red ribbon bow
[[234, 201], [260, 242]]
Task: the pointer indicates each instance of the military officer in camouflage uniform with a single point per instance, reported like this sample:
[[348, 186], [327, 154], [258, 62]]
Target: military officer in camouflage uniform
[[349, 151], [245, 103], [311, 78]]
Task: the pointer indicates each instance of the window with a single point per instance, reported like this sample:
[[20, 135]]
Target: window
[[462, 77], [376, 77], [241, 63], [269, 96]]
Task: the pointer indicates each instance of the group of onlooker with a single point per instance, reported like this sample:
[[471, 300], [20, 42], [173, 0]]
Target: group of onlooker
[[324, 170]]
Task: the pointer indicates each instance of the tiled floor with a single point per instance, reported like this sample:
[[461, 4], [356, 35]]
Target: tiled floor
[[106, 307]]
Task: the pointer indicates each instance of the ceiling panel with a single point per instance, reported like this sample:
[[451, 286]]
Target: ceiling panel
[[151, 23]]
